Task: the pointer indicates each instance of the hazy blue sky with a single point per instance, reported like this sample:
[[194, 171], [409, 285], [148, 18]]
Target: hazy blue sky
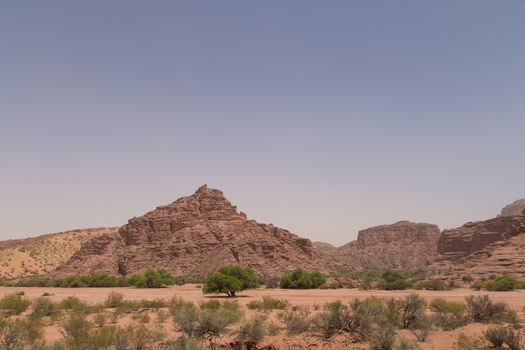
[[323, 117]]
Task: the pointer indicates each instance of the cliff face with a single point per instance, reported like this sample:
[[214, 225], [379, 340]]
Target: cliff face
[[474, 236], [194, 236], [401, 245], [495, 246]]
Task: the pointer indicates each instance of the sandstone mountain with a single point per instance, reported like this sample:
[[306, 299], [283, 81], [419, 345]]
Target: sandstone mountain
[[401, 245], [43, 254], [515, 208], [484, 247], [194, 236]]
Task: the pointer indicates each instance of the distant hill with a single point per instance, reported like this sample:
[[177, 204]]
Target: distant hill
[[43, 254], [194, 236]]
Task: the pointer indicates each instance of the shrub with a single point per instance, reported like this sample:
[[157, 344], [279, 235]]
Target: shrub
[[214, 322], [252, 330], [496, 335], [14, 304], [501, 284], [449, 315], [184, 315], [96, 280], [382, 338], [231, 279], [187, 343], [72, 303], [405, 344], [152, 279], [12, 334], [301, 279], [268, 303], [433, 284], [421, 327], [482, 309], [358, 319], [514, 340], [297, 321], [469, 343], [113, 300], [44, 307], [76, 330], [393, 280], [413, 307]]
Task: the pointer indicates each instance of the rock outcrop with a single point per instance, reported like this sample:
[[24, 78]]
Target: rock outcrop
[[401, 245], [194, 236], [474, 236], [513, 209]]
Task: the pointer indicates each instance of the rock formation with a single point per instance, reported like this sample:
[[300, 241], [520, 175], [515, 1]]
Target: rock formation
[[194, 236], [401, 245], [513, 209], [474, 236], [493, 246]]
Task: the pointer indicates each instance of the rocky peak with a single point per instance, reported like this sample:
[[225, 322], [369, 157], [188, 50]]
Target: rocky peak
[[515, 208], [193, 236]]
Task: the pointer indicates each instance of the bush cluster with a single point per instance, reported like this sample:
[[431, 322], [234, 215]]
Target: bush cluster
[[499, 284], [301, 279]]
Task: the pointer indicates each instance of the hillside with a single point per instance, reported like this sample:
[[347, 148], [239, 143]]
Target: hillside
[[43, 254], [194, 236]]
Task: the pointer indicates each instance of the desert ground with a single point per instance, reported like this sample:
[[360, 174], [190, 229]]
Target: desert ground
[[438, 340], [309, 297]]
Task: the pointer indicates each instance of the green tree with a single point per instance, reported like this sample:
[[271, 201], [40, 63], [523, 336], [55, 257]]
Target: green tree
[[231, 279]]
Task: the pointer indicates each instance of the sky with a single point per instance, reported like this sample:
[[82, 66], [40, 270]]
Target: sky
[[322, 117]]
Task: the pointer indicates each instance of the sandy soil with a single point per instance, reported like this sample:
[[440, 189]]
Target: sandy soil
[[516, 299], [438, 340]]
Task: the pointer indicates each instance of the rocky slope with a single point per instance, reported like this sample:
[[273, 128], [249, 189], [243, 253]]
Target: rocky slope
[[474, 236], [487, 247], [401, 245], [194, 236], [515, 208], [42, 254]]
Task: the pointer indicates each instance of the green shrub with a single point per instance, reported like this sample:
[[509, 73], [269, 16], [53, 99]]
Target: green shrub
[[296, 320], [185, 315], [514, 341], [413, 307], [433, 284], [113, 300], [358, 319], [393, 280], [449, 315], [496, 335], [43, 306], [469, 343], [72, 303], [405, 344], [501, 284], [421, 327], [252, 330], [268, 303], [231, 279], [152, 279], [96, 280], [14, 304], [482, 309], [213, 322], [382, 338], [76, 332], [301, 279]]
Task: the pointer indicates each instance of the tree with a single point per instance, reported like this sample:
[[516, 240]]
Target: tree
[[230, 279]]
